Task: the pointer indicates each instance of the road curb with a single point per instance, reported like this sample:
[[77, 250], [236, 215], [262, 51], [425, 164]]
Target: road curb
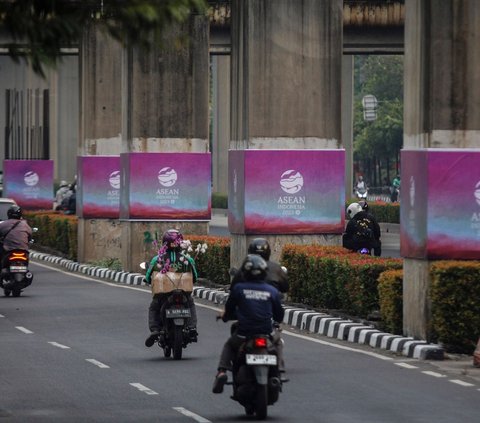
[[301, 318]]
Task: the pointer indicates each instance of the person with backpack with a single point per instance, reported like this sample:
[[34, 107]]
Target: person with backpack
[[362, 231]]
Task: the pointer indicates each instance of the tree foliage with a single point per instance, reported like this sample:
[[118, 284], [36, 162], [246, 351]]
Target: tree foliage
[[39, 29], [377, 143]]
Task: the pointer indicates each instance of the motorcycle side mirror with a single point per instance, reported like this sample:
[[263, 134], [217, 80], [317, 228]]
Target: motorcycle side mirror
[[233, 271], [284, 269], [34, 229], [143, 265]]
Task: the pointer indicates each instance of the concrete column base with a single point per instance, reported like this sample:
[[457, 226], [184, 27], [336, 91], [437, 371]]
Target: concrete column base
[[416, 301]]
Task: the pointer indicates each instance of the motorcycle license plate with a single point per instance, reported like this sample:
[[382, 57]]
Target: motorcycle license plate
[[20, 269], [173, 313], [261, 359]]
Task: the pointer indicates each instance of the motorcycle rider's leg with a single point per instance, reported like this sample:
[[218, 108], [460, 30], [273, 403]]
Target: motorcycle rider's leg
[[193, 319], [227, 356], [278, 342], [154, 319]]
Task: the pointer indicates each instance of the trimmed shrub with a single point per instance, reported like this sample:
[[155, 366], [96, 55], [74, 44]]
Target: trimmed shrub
[[455, 299], [390, 293], [219, 200]]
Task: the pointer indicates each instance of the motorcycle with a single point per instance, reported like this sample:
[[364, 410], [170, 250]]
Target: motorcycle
[[361, 193], [256, 376], [15, 275], [395, 194], [175, 312]]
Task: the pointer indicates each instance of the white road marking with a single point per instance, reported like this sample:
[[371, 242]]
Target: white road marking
[[341, 347], [144, 389], [194, 416], [434, 374], [24, 330], [406, 366], [97, 363], [1, 315], [56, 344], [461, 382]]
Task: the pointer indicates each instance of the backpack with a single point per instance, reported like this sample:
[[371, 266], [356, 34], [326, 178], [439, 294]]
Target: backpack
[[363, 229]]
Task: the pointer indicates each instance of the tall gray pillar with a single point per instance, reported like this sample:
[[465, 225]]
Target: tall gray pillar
[[442, 109], [347, 120], [165, 109], [100, 131], [286, 85]]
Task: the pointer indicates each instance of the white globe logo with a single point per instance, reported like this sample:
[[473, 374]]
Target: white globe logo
[[477, 192], [291, 181], [114, 179], [31, 179], [167, 177]]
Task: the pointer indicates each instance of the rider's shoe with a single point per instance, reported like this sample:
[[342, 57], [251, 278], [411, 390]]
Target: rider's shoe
[[152, 338], [219, 382]]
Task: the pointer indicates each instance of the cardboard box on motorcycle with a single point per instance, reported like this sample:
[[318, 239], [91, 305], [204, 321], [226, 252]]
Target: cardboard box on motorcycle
[[165, 282]]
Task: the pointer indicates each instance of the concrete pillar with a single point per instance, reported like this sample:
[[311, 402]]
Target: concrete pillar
[[100, 128], [442, 108], [220, 121], [286, 85], [347, 120], [165, 109]]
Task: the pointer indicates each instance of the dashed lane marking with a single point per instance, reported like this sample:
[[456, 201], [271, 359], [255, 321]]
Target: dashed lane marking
[[434, 374], [56, 344], [406, 365], [194, 416], [461, 382], [1, 315], [24, 330], [144, 389], [97, 363]]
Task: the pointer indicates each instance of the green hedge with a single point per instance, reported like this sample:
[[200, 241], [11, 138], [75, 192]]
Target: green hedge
[[383, 212], [219, 200], [390, 292], [335, 278]]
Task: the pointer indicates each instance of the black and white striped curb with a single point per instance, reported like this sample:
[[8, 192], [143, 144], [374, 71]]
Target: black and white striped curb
[[301, 318]]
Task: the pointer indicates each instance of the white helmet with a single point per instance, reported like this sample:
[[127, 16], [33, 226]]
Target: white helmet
[[353, 209]]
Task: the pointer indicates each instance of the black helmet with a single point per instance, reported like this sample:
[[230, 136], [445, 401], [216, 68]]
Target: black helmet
[[261, 247], [254, 268], [14, 212]]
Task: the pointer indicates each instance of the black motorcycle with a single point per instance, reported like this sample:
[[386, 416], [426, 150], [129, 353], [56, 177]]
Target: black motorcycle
[[256, 376], [15, 275], [176, 315]]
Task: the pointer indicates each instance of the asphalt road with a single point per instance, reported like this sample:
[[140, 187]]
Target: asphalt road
[[73, 351]]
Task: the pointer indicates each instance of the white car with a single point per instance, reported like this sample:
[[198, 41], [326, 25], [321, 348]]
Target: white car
[[5, 204]]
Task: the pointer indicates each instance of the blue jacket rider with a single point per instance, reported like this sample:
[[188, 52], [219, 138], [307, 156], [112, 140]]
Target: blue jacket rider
[[255, 304]]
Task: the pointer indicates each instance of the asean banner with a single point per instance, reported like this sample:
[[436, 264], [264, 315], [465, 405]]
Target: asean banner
[[168, 186], [440, 204], [29, 183], [286, 191], [98, 191]]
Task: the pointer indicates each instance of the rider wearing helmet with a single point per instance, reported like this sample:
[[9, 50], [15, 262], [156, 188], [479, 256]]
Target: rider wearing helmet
[[15, 232], [362, 231], [276, 275], [169, 255], [255, 304]]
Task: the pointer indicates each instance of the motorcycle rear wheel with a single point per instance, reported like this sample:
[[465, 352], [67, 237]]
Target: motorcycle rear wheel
[[261, 401], [16, 292], [7, 292], [177, 343], [167, 351]]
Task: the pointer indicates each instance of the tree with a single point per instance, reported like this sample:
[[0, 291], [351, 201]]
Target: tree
[[39, 29], [377, 143]]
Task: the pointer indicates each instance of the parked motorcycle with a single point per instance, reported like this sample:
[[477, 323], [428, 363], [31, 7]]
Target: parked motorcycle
[[175, 312], [256, 376], [15, 275]]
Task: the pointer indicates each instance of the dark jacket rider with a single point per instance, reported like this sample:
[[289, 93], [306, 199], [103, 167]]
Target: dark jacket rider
[[256, 304], [16, 230], [362, 231]]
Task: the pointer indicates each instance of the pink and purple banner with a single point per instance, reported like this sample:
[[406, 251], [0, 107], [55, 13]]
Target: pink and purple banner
[[287, 191], [98, 188], [440, 204], [29, 183], [168, 186]]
